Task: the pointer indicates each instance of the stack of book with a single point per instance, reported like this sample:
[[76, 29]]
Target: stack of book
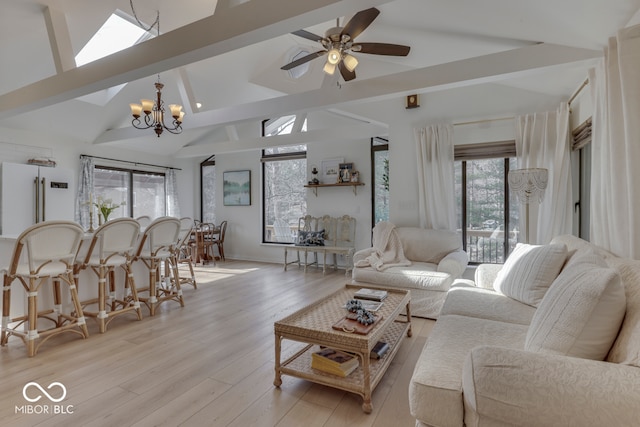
[[334, 362], [370, 294]]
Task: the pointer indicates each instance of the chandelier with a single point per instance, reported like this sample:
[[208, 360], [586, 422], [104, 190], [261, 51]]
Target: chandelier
[[154, 110], [154, 114]]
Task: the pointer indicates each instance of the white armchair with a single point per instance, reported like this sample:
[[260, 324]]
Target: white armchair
[[437, 260]]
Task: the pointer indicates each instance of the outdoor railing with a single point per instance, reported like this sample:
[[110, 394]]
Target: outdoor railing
[[486, 246]]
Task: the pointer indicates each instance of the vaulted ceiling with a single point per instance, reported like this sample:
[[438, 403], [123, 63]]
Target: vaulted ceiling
[[473, 59]]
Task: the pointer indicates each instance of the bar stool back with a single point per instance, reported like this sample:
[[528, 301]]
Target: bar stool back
[[113, 246], [44, 254], [156, 247]]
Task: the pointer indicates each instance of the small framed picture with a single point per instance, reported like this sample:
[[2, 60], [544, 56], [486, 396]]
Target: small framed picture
[[346, 170], [355, 176], [330, 173]]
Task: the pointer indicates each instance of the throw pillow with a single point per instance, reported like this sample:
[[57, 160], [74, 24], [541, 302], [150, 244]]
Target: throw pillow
[[529, 271], [310, 238], [581, 314]]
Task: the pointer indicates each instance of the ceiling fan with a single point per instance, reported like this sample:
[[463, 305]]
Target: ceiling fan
[[339, 44]]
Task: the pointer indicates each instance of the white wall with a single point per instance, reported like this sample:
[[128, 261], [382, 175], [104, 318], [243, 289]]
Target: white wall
[[244, 230], [18, 146]]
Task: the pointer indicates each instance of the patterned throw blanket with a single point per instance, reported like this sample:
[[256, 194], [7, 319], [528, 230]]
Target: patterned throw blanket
[[387, 249]]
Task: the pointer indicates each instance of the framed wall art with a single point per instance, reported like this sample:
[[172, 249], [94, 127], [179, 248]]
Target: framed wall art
[[331, 170], [236, 188]]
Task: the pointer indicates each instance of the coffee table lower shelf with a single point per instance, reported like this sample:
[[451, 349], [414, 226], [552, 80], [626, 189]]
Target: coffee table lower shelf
[[299, 365]]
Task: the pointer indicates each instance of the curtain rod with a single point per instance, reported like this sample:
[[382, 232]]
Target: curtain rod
[[129, 161], [577, 92], [483, 121]]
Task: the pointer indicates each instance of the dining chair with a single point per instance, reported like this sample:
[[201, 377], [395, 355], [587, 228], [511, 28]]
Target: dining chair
[[43, 255], [113, 246], [219, 240], [156, 247]]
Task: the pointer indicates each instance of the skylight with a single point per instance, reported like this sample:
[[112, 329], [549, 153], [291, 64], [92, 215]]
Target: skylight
[[115, 35]]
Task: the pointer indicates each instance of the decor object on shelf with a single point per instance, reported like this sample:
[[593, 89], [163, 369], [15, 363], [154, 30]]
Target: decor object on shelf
[[314, 172], [339, 44], [236, 188], [331, 170], [345, 172], [529, 186]]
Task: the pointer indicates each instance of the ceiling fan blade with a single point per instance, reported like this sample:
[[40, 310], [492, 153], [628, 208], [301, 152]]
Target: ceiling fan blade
[[304, 59], [383, 49], [360, 22], [308, 35], [346, 74]]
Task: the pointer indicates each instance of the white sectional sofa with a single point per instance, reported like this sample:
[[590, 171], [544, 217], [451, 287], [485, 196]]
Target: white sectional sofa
[[569, 355], [436, 259]]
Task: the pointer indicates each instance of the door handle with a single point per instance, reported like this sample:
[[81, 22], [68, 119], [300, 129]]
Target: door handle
[[44, 194], [36, 217]]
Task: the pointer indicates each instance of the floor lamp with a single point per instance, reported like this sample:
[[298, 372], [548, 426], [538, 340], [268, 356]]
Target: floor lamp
[[528, 185]]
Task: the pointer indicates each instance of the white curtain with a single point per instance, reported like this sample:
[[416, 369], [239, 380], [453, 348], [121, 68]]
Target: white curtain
[[615, 173], [436, 179], [85, 189], [173, 207], [543, 141]]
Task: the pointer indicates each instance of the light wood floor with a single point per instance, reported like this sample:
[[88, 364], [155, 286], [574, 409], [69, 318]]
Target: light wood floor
[[210, 363]]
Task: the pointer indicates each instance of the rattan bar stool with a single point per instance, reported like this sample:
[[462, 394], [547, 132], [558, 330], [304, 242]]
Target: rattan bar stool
[[183, 254], [44, 254], [157, 246], [113, 246]]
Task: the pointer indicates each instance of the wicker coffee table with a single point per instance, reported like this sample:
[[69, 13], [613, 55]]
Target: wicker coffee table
[[313, 325]]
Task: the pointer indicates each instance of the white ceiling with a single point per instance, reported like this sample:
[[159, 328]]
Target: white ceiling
[[479, 58]]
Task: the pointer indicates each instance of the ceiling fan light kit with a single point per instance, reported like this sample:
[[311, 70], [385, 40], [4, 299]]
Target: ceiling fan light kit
[[339, 43]]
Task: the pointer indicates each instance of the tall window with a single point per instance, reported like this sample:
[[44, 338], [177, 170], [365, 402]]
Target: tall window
[[284, 174], [208, 188], [487, 216], [284, 171], [380, 179], [143, 192]]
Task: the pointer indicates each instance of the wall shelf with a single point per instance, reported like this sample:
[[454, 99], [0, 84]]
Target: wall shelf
[[353, 185]]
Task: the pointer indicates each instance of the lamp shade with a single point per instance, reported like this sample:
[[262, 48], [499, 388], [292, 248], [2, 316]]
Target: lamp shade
[[329, 68], [350, 62], [334, 56]]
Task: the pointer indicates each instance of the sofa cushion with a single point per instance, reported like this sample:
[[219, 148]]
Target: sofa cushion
[[529, 271], [626, 348], [435, 390], [428, 245], [581, 313], [486, 304], [418, 275]]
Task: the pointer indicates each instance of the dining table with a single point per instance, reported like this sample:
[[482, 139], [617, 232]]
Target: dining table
[[202, 241]]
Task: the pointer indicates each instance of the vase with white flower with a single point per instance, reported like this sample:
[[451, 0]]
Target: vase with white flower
[[105, 208]]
